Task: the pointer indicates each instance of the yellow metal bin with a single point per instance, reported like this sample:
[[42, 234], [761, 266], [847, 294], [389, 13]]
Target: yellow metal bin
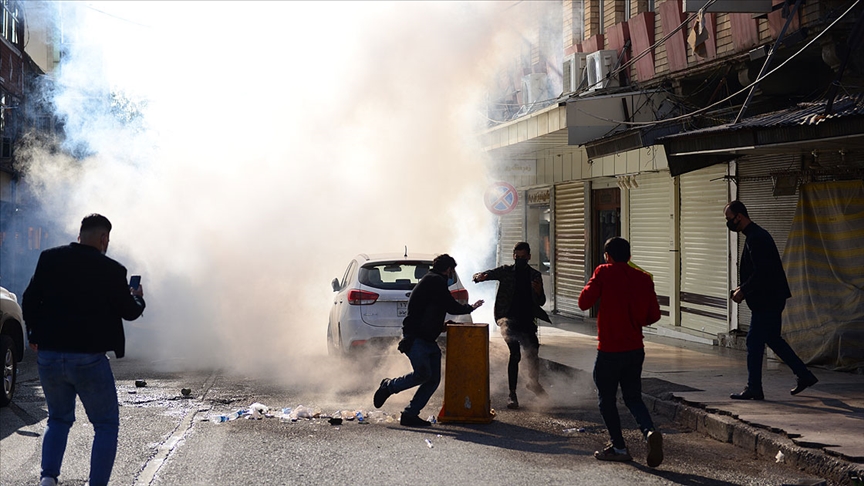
[[466, 375]]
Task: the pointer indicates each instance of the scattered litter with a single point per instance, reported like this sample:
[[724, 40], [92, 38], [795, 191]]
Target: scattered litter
[[347, 415], [780, 457], [132, 392], [439, 436], [302, 412], [429, 443], [140, 383], [185, 392], [432, 419], [574, 429], [218, 419], [257, 411]]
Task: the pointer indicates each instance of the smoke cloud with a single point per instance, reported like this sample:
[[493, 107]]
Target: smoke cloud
[[275, 141]]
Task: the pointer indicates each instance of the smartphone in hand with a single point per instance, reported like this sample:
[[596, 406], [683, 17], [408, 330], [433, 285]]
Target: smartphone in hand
[[134, 282]]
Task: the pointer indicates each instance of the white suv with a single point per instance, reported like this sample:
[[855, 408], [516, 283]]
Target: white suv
[[372, 300], [11, 342]]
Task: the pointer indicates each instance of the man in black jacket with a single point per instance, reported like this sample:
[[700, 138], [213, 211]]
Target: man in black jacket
[[429, 304], [517, 307], [73, 309], [764, 287]]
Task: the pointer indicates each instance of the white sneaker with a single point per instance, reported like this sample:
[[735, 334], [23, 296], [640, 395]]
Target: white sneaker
[[48, 481]]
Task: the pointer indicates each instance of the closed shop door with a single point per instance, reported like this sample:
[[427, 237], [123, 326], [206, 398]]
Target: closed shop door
[[703, 233], [511, 230], [651, 234], [569, 247], [774, 213]]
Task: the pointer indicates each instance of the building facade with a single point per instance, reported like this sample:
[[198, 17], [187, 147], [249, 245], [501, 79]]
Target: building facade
[[666, 113], [22, 77]]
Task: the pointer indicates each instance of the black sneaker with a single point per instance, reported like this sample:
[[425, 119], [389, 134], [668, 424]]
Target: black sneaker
[[610, 454], [413, 421], [748, 394], [382, 393], [655, 448], [512, 401]]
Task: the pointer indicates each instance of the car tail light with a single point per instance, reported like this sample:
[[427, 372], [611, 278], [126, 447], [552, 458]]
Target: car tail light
[[461, 295], [355, 344], [361, 297]]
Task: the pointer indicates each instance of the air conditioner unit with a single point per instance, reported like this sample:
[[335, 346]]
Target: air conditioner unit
[[533, 88], [575, 66], [600, 64]]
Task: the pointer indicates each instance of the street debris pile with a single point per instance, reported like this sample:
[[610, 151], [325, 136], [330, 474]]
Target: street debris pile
[[258, 411]]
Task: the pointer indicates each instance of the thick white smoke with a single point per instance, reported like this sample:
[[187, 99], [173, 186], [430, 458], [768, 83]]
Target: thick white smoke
[[278, 140]]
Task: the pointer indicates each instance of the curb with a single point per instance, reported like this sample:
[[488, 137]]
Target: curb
[[764, 443]]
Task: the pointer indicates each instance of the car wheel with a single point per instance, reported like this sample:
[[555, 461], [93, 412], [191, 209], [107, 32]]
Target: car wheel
[[10, 370]]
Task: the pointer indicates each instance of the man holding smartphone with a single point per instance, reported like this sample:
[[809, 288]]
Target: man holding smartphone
[[517, 308], [73, 309]]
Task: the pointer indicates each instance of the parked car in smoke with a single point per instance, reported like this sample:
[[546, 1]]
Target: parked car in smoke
[[372, 300], [11, 342]]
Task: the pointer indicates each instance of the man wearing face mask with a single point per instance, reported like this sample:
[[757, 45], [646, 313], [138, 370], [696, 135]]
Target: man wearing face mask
[[429, 304], [764, 287], [73, 308], [517, 306]]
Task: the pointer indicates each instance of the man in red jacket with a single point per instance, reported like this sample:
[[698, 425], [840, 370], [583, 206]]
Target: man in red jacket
[[627, 302]]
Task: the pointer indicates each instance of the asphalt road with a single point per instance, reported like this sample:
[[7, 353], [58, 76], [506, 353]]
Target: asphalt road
[[168, 439]]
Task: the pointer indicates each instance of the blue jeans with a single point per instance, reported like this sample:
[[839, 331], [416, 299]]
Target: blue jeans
[[425, 358], [765, 329], [625, 368], [87, 375]]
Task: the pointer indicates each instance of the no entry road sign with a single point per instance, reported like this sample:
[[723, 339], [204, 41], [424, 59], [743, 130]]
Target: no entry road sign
[[501, 198]]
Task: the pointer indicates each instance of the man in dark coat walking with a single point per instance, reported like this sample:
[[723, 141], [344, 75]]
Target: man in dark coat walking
[[764, 287]]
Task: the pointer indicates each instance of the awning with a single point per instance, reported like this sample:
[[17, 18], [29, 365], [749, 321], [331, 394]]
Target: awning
[[573, 121], [804, 128]]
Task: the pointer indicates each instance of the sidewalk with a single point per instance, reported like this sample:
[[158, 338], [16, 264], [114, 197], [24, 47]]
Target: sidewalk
[[821, 429]]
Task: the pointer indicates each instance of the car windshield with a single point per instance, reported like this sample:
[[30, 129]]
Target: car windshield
[[393, 275]]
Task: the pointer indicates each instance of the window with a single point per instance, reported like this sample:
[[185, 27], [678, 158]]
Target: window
[[650, 5], [400, 275], [348, 273], [10, 20]]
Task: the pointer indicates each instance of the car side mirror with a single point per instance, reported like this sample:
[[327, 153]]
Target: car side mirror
[[335, 284]]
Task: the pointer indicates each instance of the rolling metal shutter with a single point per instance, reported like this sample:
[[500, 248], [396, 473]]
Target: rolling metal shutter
[[704, 282], [774, 213], [651, 233], [569, 247], [511, 230]]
